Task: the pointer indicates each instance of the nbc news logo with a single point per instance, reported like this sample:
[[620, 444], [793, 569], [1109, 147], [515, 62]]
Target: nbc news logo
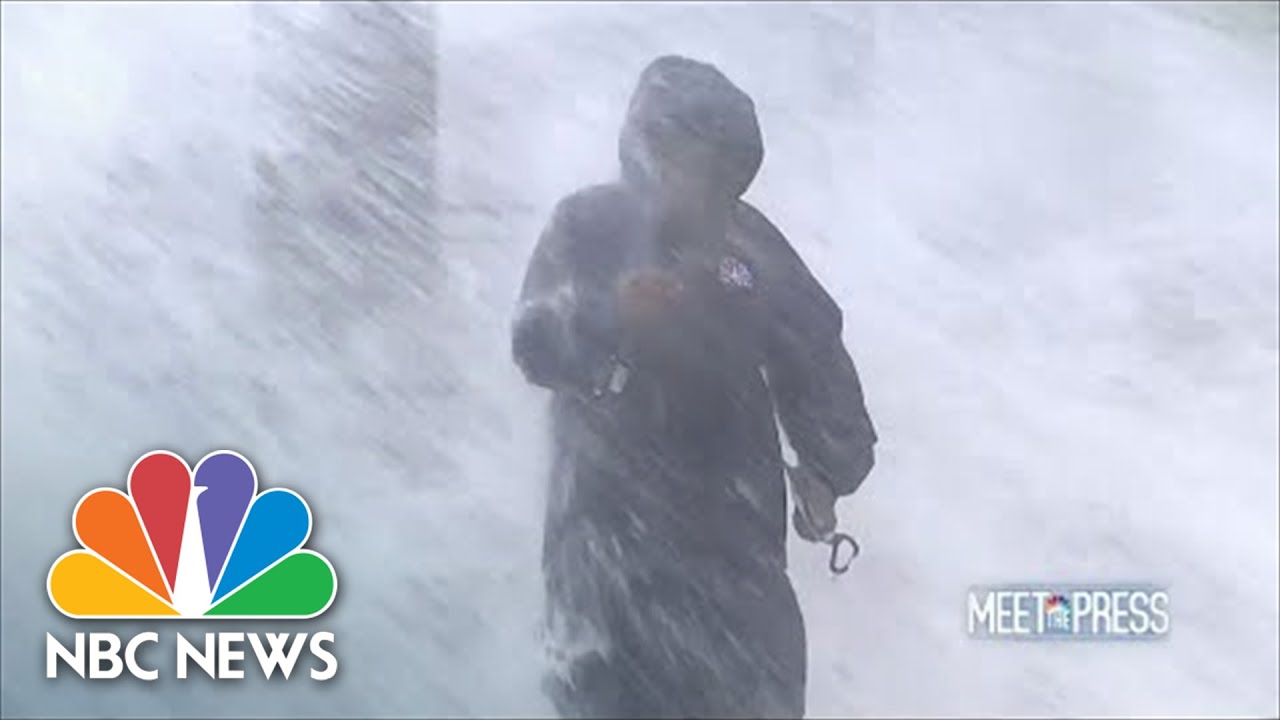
[[187, 544]]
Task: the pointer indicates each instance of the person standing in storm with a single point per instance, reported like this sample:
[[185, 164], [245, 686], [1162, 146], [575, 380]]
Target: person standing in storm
[[676, 327]]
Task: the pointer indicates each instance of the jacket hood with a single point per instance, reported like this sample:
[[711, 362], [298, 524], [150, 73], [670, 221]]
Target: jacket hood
[[679, 101]]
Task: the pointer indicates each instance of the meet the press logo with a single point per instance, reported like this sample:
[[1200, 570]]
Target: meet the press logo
[[188, 544], [1110, 612]]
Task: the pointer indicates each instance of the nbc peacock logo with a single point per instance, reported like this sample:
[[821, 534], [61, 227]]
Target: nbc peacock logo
[[186, 543]]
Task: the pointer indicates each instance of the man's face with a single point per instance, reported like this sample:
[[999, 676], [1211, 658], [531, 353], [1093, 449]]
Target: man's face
[[682, 163]]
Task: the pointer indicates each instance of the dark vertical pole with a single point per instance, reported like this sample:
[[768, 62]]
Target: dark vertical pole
[[346, 170]]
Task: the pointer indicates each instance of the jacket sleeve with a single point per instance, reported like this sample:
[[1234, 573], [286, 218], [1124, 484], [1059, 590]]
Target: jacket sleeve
[[815, 386], [563, 335]]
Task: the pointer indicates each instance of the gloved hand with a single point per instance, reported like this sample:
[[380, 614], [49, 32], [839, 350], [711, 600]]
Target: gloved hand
[[653, 335], [814, 517], [537, 344], [646, 299]]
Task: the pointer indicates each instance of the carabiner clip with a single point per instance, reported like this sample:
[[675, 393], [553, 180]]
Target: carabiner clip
[[837, 567]]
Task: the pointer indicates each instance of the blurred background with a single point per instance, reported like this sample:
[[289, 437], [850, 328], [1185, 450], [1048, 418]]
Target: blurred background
[[297, 231]]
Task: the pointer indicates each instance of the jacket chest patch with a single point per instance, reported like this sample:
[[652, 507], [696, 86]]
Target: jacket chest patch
[[734, 273]]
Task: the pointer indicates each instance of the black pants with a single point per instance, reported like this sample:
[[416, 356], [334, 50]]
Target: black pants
[[709, 641]]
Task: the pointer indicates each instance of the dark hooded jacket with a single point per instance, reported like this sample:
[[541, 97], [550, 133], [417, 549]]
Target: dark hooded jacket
[[667, 491]]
